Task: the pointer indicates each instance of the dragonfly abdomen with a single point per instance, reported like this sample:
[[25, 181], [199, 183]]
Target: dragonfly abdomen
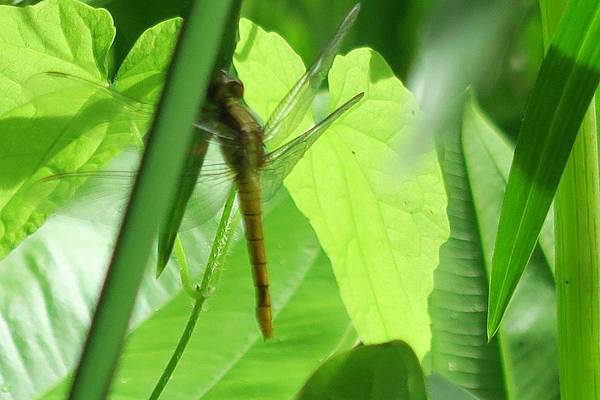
[[250, 204]]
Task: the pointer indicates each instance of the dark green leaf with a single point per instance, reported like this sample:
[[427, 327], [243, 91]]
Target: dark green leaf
[[388, 371], [523, 362], [440, 388]]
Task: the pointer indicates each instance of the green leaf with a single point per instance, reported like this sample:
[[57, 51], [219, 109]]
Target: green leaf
[[49, 286], [379, 210], [226, 356], [384, 371], [142, 73], [269, 68], [522, 362], [60, 125], [488, 156], [440, 388], [55, 282], [566, 83], [382, 233]]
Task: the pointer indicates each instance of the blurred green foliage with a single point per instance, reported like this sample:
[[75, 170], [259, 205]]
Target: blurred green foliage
[[399, 30]]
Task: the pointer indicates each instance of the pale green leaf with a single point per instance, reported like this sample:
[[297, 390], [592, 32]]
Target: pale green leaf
[[269, 68], [54, 125], [227, 356], [488, 165], [383, 232], [373, 191]]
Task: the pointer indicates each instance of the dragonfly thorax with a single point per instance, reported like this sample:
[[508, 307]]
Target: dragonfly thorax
[[225, 85]]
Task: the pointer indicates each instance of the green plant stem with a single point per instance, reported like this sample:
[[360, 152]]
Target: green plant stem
[[577, 229], [163, 160], [201, 292], [184, 270]]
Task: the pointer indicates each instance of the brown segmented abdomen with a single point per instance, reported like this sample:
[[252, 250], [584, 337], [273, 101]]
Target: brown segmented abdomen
[[250, 203]]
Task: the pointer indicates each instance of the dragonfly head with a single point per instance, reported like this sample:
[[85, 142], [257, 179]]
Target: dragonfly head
[[224, 85]]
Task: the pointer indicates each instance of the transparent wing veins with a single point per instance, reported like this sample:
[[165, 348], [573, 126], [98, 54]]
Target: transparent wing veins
[[291, 110], [280, 162]]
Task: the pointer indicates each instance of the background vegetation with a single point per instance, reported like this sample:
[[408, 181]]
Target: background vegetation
[[472, 66]]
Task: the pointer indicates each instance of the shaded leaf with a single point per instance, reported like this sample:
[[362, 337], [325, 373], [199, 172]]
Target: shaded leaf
[[388, 371], [440, 388], [226, 356], [522, 362]]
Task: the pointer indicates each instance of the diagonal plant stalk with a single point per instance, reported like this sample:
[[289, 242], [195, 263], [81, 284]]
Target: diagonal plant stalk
[[229, 220], [577, 226], [168, 140]]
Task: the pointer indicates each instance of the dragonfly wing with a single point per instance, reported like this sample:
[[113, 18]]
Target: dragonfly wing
[[293, 107], [202, 189], [207, 199], [54, 82], [280, 162], [98, 196], [214, 181]]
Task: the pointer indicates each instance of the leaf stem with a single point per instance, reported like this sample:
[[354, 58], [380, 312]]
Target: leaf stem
[[202, 292]]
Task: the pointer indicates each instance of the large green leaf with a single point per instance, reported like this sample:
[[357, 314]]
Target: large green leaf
[[379, 211], [523, 362], [227, 357], [54, 306], [388, 371], [373, 190], [51, 125], [48, 288], [566, 83]]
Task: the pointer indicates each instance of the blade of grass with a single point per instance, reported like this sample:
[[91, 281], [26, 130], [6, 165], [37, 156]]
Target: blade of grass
[[215, 261], [566, 83], [577, 224], [162, 162]]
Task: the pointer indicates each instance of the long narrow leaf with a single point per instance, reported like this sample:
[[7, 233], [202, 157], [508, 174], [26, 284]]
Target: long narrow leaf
[[577, 226], [162, 162], [565, 86]]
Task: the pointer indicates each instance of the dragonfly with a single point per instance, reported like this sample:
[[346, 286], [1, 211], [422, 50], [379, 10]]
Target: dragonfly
[[241, 139]]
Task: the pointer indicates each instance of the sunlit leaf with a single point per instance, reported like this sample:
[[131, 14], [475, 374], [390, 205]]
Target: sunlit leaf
[[54, 277], [50, 125], [378, 209], [373, 191]]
